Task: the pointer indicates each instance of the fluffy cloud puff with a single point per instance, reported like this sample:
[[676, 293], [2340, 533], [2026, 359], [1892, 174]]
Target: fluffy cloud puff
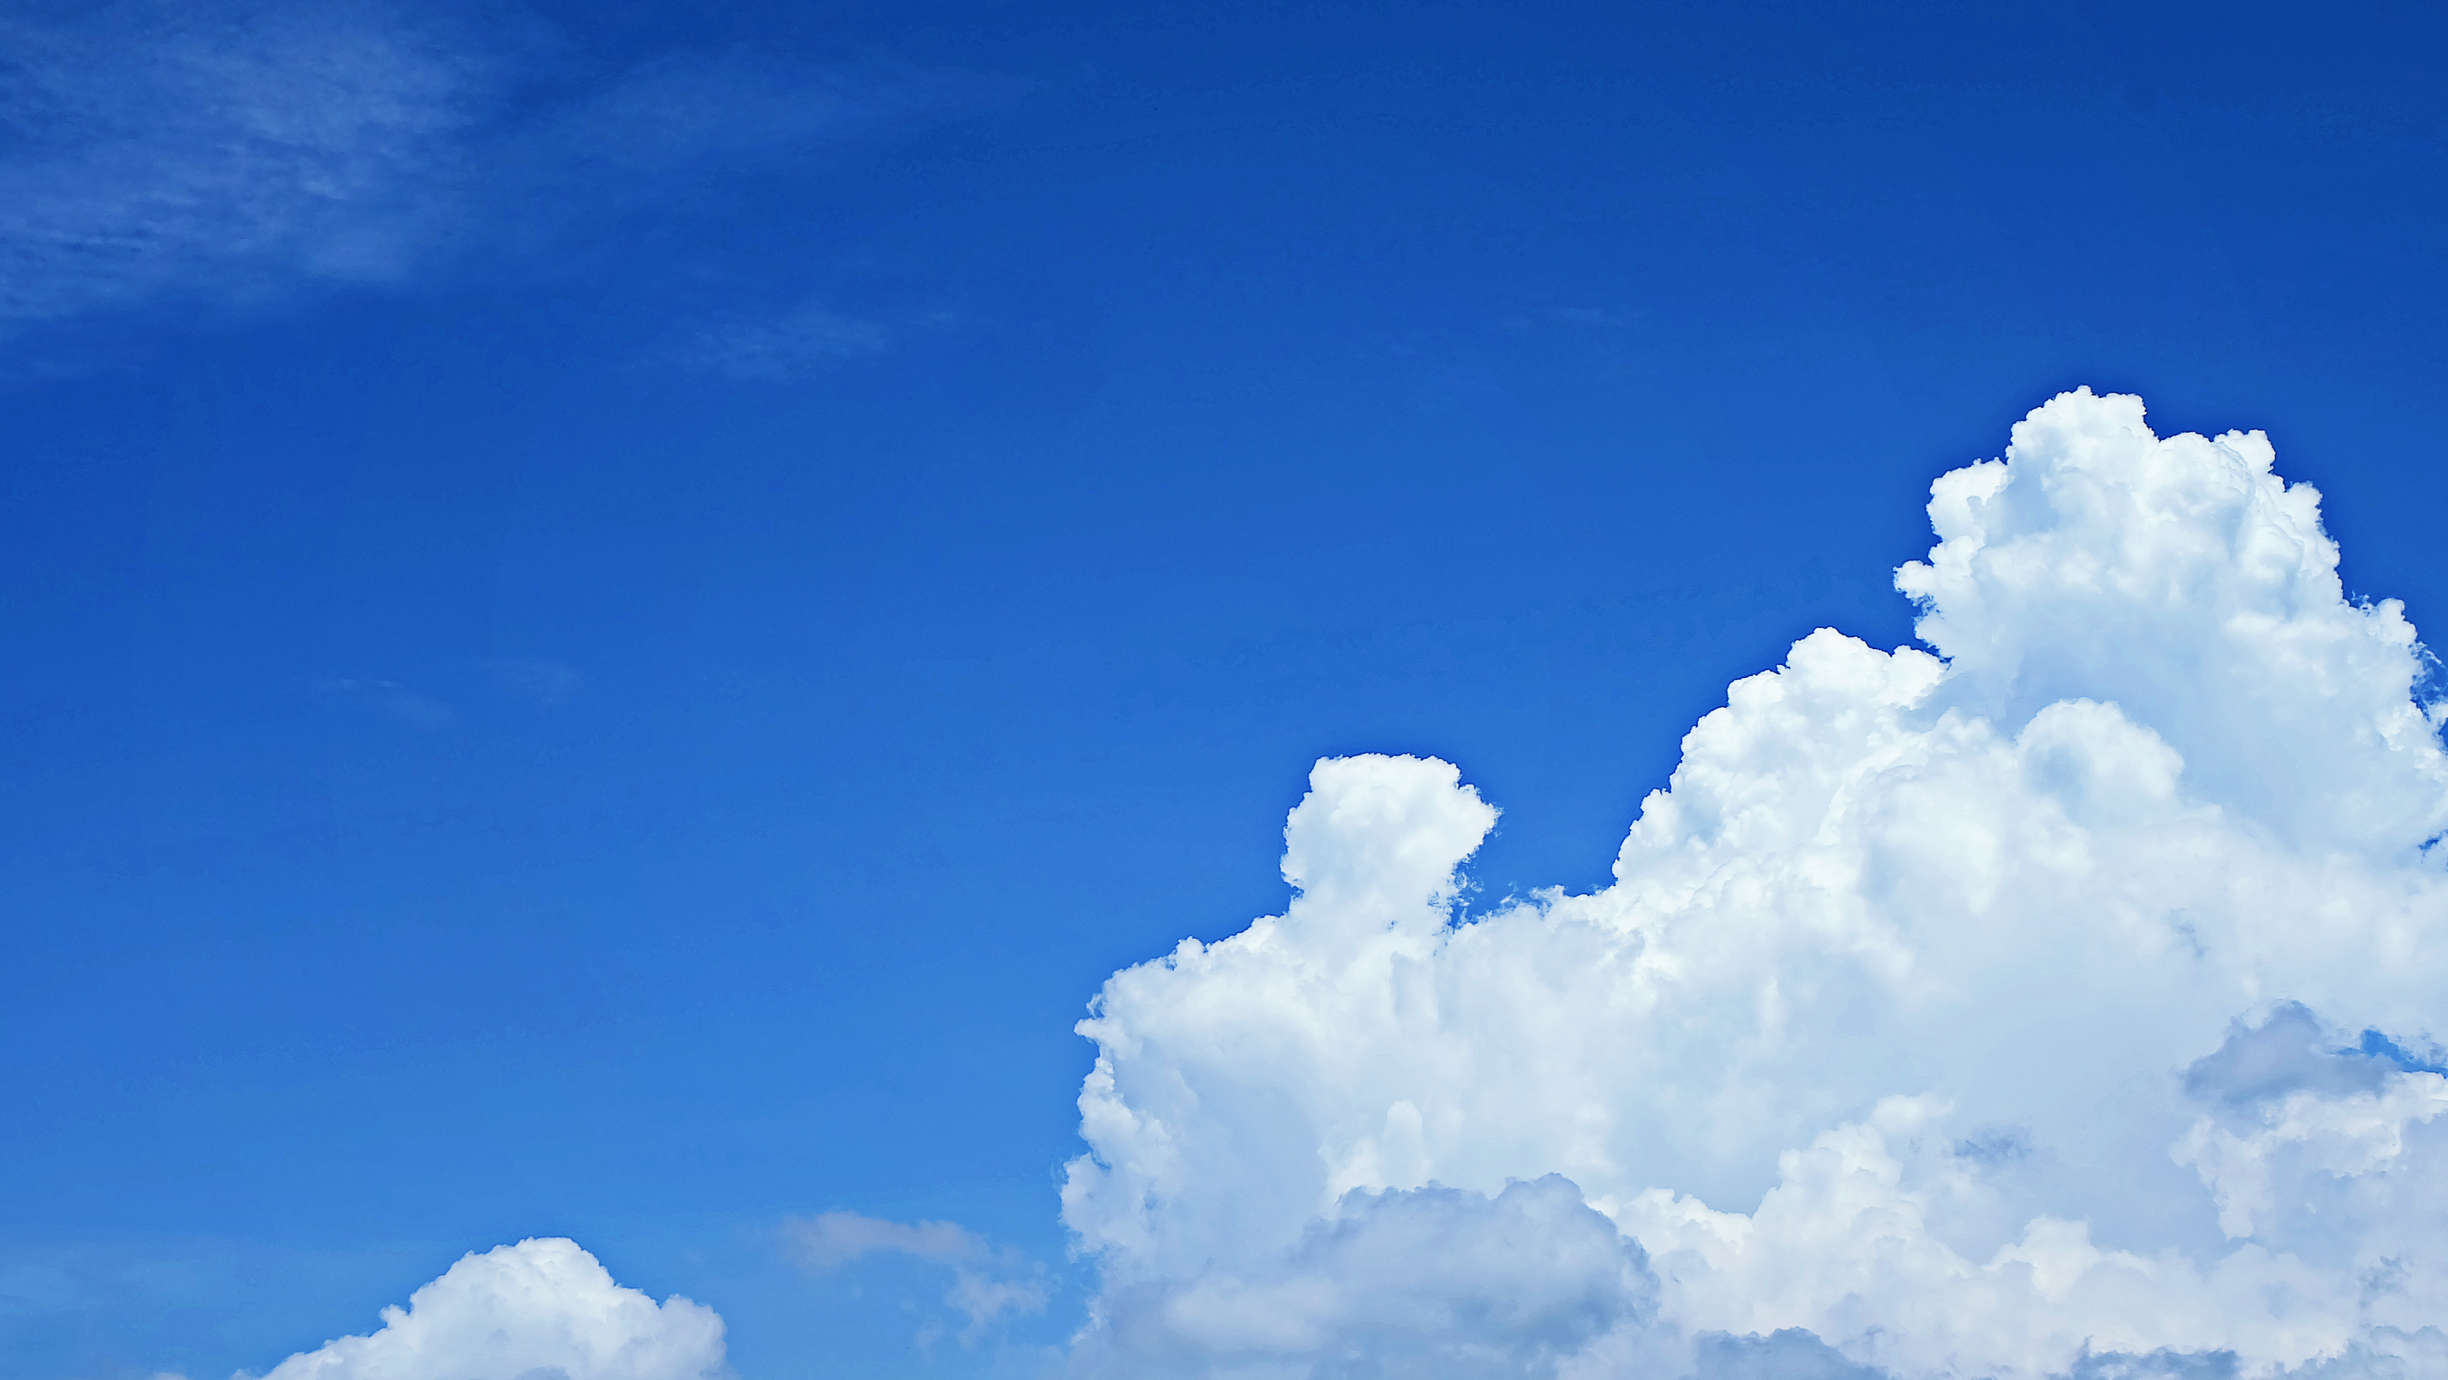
[[2059, 1003], [539, 1310]]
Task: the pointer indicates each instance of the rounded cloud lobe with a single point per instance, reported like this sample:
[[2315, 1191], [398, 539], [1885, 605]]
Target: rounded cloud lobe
[[539, 1310], [2062, 1003]]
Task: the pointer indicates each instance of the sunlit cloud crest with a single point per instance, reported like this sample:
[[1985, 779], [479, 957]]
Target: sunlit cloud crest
[[1880, 1040], [2060, 1001]]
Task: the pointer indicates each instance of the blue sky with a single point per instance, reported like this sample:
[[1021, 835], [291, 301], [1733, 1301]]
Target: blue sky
[[616, 613]]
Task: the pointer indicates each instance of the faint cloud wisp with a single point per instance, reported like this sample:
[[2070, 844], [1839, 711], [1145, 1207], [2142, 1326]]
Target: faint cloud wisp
[[538, 680], [988, 1281], [182, 153], [810, 338], [228, 156], [392, 698]]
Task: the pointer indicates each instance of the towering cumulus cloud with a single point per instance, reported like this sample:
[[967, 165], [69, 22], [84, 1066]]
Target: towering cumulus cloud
[[2060, 1003]]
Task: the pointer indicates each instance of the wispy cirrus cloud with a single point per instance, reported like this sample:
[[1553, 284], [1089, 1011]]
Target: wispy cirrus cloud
[[688, 114], [157, 154], [226, 156]]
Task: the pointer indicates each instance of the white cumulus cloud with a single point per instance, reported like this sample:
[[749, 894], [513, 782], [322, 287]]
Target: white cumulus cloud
[[539, 1310], [2059, 1001]]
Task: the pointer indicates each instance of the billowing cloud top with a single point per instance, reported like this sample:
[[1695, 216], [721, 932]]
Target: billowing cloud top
[[539, 1310], [2061, 1003]]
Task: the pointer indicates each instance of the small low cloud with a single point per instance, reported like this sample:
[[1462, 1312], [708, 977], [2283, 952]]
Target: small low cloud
[[989, 1282]]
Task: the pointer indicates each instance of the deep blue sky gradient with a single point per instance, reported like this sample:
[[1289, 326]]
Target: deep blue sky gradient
[[476, 769]]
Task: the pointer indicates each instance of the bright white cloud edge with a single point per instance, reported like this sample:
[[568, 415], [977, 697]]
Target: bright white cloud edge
[[1994, 1012], [2061, 1004], [542, 1309]]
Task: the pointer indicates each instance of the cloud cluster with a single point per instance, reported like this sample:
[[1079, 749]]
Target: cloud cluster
[[2063, 1002], [539, 1310]]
